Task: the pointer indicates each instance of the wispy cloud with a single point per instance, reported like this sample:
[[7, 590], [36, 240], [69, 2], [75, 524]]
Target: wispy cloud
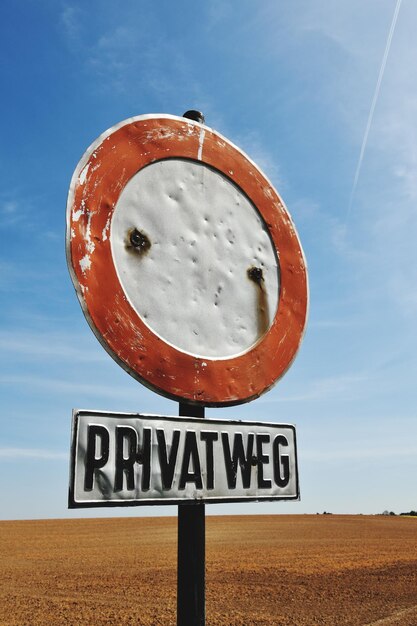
[[108, 54], [21, 207], [48, 345], [217, 11], [133, 52], [327, 324], [253, 145], [114, 53], [327, 388], [71, 21], [354, 453], [74, 388], [37, 454], [12, 210], [11, 275]]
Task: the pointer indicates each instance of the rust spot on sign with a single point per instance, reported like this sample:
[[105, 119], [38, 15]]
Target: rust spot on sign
[[255, 274], [137, 241]]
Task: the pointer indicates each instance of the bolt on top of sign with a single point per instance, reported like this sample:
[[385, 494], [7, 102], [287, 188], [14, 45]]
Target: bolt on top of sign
[[185, 261]]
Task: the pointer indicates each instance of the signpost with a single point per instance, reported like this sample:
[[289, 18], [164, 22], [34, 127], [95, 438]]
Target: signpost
[[189, 271]]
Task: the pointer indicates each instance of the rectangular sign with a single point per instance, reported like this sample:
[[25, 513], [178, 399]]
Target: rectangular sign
[[120, 459]]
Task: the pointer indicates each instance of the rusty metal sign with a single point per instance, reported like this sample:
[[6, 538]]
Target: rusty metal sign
[[122, 459], [185, 261]]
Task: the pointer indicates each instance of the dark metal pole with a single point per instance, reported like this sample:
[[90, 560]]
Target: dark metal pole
[[191, 609], [197, 116], [191, 575]]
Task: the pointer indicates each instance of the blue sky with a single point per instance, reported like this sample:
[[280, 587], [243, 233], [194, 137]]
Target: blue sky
[[292, 84]]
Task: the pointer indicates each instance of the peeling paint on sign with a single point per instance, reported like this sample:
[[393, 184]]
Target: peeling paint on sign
[[201, 144]]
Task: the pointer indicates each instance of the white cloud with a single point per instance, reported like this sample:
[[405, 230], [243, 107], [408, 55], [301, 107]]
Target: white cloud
[[13, 454], [333, 323], [133, 52], [71, 21], [11, 211], [49, 346], [73, 388], [253, 145], [19, 207], [328, 388], [11, 274], [9, 207], [114, 53], [217, 11], [354, 452]]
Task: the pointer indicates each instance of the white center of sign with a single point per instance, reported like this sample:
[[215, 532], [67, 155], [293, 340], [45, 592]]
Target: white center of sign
[[194, 258]]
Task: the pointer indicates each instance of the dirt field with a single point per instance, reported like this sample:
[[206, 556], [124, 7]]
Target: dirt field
[[261, 570]]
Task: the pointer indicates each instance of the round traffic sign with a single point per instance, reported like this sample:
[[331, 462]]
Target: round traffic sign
[[185, 261]]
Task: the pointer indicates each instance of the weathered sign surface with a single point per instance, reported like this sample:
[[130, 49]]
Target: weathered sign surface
[[186, 262], [131, 459]]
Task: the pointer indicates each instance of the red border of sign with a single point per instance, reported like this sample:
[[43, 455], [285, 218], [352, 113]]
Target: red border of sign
[[95, 188]]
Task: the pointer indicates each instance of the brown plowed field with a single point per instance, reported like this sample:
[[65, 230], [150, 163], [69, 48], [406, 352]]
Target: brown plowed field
[[261, 570]]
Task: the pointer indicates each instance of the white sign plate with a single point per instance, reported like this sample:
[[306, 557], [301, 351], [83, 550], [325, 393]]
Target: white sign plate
[[120, 459]]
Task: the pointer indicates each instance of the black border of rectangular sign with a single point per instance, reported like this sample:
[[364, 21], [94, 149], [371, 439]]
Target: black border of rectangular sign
[[73, 504]]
